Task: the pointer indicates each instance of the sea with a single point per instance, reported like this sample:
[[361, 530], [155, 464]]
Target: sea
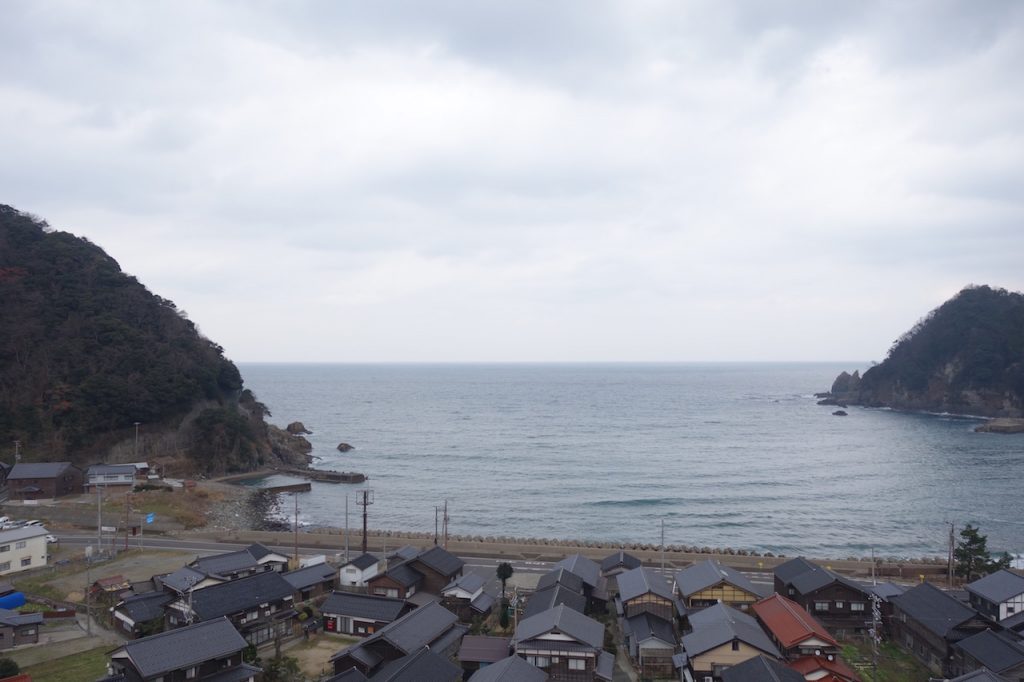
[[720, 455]]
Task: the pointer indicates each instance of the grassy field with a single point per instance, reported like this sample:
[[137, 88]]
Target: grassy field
[[187, 508], [894, 664], [88, 665]]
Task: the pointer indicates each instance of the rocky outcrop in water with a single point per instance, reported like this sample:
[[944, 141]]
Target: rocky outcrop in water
[[345, 447], [965, 357], [297, 429], [1002, 426]]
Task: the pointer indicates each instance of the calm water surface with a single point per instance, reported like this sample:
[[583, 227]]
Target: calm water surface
[[732, 455]]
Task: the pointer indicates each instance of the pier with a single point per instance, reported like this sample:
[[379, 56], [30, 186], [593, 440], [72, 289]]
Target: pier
[[324, 476]]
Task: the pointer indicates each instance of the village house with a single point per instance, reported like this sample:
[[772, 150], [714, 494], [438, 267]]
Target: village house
[[480, 651], [595, 586], [466, 598], [311, 582], [400, 581], [723, 637], [108, 590], [511, 669], [794, 631], [841, 604], [259, 606], [138, 615], [648, 610], [429, 571], [999, 652], [430, 626], [22, 549], [424, 665], [927, 622], [824, 669], [565, 644], [885, 593], [202, 652], [644, 590], [438, 566], [348, 613], [110, 476], [358, 571], [19, 628], [556, 588], [614, 564], [187, 579], [44, 480], [242, 563], [998, 596], [709, 582]]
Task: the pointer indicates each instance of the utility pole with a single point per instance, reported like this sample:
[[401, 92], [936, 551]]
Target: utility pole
[[446, 524], [663, 546], [127, 506], [296, 496], [435, 523], [99, 518], [136, 455], [949, 561], [346, 529], [364, 501], [88, 589]]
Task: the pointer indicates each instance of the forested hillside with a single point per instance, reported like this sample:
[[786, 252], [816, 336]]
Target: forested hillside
[[86, 351], [965, 356]]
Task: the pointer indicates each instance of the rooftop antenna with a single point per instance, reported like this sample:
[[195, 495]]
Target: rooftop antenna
[[364, 500]]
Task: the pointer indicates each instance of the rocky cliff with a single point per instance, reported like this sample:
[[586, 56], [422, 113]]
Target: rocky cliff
[[965, 357]]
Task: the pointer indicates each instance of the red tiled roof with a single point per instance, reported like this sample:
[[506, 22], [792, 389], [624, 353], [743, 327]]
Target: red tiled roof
[[789, 623], [838, 671]]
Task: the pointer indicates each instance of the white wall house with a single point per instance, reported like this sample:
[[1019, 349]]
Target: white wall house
[[106, 475], [22, 549], [998, 595], [358, 571]]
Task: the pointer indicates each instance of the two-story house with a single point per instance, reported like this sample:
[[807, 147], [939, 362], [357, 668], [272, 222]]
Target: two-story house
[[348, 613], [138, 615], [465, 597], [648, 609], [556, 588], [110, 476], [723, 637], [707, 583], [927, 622], [358, 571], [205, 651], [999, 652], [841, 604], [22, 549], [795, 632], [998, 595], [595, 586], [312, 582], [255, 558], [430, 626], [260, 607], [565, 644], [44, 480]]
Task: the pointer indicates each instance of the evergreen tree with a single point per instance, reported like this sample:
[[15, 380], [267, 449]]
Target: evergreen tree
[[972, 556], [504, 573]]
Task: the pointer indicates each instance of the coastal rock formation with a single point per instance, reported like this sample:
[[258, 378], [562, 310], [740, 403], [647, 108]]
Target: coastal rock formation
[[965, 357], [297, 429], [1004, 425], [345, 447], [839, 413]]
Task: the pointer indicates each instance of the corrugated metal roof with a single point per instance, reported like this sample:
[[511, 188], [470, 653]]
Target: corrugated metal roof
[[482, 649], [789, 623]]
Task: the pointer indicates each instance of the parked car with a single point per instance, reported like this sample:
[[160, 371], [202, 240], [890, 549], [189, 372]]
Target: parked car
[[51, 539], [4, 520], [34, 522]]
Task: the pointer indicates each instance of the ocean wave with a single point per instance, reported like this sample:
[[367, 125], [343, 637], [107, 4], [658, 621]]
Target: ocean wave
[[636, 502]]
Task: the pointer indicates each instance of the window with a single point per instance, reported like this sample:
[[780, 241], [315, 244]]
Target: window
[[856, 606], [577, 664], [821, 606], [190, 674], [5, 566], [20, 544], [27, 561], [542, 662], [839, 604], [735, 645], [5, 548]]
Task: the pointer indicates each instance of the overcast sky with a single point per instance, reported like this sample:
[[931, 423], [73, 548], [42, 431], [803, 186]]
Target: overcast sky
[[528, 181]]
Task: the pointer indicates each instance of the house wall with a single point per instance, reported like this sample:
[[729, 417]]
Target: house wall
[[557, 664], [433, 582], [1000, 611], [383, 586], [842, 610], [926, 646], [21, 555], [107, 480], [722, 592], [353, 577], [652, 604], [723, 656]]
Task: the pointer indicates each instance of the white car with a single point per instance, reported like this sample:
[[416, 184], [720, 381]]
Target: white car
[[34, 522], [50, 539]]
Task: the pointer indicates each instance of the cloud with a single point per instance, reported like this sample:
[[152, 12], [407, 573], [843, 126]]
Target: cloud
[[582, 181]]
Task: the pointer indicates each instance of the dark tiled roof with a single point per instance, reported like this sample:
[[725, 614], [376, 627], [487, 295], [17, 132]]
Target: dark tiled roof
[[239, 673], [441, 560], [980, 676], [405, 552], [640, 581], [13, 618], [468, 582], [422, 666], [511, 669], [231, 562], [363, 561], [114, 469], [997, 652], [605, 666], [620, 558], [718, 624], [564, 620], [481, 649], [760, 669], [414, 630], [350, 675], [551, 597], [146, 606], [998, 587], [792, 568], [484, 603], [886, 591], [309, 576], [258, 551], [239, 595], [184, 647], [707, 574], [381, 609], [404, 574], [933, 609], [563, 577], [183, 578], [24, 470], [583, 567], [645, 626]]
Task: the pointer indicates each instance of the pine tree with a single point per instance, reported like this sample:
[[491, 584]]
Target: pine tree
[[972, 556]]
